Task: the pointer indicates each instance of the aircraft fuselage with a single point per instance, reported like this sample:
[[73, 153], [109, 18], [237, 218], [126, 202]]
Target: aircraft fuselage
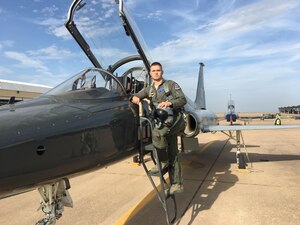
[[50, 137]]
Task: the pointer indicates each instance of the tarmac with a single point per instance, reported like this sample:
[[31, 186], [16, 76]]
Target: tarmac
[[215, 191]]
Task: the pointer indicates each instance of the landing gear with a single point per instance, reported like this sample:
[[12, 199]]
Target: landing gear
[[53, 199], [240, 160], [240, 157]]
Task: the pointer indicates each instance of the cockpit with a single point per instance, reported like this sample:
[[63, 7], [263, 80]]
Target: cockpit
[[90, 83], [98, 28]]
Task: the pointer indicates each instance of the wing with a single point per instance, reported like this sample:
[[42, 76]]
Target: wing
[[213, 128]]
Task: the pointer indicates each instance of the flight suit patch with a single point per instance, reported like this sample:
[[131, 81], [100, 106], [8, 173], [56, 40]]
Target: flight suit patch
[[176, 86], [160, 90]]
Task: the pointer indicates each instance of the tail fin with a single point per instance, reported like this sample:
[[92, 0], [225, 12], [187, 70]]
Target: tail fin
[[200, 95]]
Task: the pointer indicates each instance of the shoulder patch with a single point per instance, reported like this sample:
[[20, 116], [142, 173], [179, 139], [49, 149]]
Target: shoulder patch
[[176, 86]]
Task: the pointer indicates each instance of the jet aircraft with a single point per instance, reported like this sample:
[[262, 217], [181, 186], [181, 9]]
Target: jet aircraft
[[87, 121], [231, 116]]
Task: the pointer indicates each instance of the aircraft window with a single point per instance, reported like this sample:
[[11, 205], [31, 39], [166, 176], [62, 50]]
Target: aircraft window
[[100, 82], [134, 79]]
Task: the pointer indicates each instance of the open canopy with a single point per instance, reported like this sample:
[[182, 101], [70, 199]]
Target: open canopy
[[98, 27]]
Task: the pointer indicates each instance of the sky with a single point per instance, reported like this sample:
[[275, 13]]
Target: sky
[[251, 49]]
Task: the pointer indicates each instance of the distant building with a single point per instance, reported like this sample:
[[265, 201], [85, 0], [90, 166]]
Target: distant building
[[20, 90], [290, 109]]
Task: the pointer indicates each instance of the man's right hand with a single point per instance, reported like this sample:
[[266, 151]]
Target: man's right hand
[[135, 100]]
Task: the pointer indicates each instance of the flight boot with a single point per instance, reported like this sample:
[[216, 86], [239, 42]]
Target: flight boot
[[176, 188], [164, 164]]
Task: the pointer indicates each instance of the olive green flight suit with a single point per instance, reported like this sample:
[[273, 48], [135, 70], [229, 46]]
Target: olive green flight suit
[[164, 139]]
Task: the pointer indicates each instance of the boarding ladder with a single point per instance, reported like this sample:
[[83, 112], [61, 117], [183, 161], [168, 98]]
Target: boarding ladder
[[162, 190]]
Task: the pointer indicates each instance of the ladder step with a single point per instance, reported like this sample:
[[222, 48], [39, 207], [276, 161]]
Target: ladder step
[[149, 148], [163, 172]]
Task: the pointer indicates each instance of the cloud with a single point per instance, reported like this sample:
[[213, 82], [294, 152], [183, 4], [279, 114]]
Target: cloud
[[6, 43], [232, 35], [91, 28], [112, 52], [89, 21], [102, 10], [250, 49], [156, 15], [107, 4], [51, 52], [295, 58], [55, 26], [108, 55], [132, 4], [252, 16], [5, 70], [185, 16], [49, 10], [26, 61]]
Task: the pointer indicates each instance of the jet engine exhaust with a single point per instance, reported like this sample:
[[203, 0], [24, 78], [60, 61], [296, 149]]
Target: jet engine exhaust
[[191, 127]]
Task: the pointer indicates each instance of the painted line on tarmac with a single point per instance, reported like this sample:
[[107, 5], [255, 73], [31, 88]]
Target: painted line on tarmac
[[136, 208]]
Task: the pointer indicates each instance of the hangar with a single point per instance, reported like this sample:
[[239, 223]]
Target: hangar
[[290, 109], [20, 90]]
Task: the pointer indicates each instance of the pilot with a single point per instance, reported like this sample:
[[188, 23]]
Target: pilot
[[165, 94]]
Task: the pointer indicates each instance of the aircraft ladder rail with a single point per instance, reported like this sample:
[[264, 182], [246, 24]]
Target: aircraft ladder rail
[[162, 192]]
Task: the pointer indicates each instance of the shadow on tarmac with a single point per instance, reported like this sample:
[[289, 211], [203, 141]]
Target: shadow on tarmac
[[206, 175], [213, 183], [257, 157], [202, 174]]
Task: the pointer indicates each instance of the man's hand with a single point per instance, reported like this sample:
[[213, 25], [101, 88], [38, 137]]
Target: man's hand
[[135, 100], [164, 104]]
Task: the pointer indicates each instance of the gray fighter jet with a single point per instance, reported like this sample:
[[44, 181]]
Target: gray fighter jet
[[231, 116]]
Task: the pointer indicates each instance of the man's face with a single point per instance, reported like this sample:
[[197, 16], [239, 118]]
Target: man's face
[[156, 72]]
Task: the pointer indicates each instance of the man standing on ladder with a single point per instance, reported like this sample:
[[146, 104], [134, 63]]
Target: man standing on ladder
[[167, 95]]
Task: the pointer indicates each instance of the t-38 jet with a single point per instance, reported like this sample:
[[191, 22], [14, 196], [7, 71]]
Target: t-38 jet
[[88, 120], [231, 116]]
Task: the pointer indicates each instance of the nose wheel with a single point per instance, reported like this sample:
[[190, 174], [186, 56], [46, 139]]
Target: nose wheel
[[54, 197]]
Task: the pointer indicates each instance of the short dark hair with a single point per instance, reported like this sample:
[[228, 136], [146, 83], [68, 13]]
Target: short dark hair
[[156, 64]]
